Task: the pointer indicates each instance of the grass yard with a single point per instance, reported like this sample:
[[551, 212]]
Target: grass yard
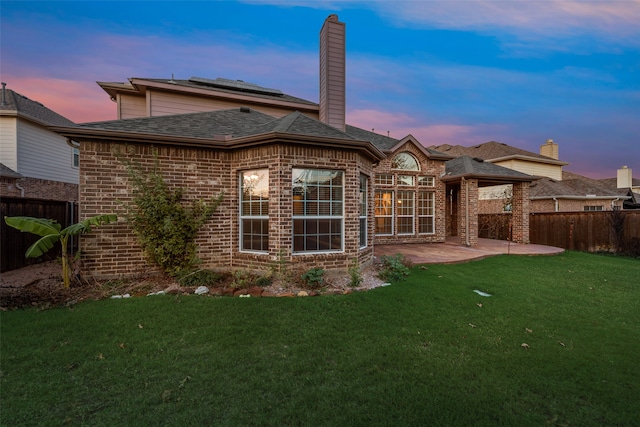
[[425, 351]]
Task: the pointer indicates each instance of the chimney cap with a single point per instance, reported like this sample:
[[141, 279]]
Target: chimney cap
[[549, 141]]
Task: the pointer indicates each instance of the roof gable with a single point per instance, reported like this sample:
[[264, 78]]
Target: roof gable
[[494, 151]]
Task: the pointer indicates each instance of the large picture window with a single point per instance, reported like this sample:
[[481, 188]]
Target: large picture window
[[426, 212], [384, 212], [254, 210], [318, 210]]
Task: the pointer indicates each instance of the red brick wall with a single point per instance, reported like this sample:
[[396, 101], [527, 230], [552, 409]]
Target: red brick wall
[[34, 188], [520, 211], [427, 168], [112, 250]]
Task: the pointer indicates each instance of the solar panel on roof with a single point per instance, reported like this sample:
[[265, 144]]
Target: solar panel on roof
[[236, 85]]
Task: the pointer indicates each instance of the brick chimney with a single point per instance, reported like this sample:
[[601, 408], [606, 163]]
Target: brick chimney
[[549, 149], [332, 72], [625, 177]]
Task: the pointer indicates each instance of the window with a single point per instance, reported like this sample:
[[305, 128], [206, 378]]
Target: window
[[593, 208], [425, 212], [405, 212], [384, 179], [254, 210], [363, 211], [317, 210], [384, 212], [426, 181], [75, 157], [406, 180], [405, 161]]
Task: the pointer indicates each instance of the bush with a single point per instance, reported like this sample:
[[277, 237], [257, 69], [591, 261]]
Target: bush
[[314, 278], [355, 276], [164, 223], [394, 268]]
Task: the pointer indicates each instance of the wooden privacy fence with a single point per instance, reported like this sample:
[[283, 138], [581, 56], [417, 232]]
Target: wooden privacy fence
[[580, 231], [14, 244]]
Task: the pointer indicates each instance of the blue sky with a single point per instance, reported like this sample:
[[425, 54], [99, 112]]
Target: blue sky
[[455, 72]]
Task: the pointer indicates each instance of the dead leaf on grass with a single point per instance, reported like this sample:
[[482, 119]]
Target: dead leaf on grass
[[528, 330], [525, 346], [472, 325]]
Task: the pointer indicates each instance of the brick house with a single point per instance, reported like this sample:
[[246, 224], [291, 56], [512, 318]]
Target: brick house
[[36, 163], [301, 187], [554, 190]]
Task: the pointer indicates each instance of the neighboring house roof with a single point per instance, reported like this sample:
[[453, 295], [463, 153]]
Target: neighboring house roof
[[495, 151], [21, 106], [6, 172], [222, 129], [204, 86], [467, 167], [572, 186]]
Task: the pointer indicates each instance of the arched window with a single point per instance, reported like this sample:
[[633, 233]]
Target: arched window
[[405, 161]]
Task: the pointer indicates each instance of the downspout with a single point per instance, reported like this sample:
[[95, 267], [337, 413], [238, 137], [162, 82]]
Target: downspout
[[20, 188], [613, 203], [557, 207], [466, 208]]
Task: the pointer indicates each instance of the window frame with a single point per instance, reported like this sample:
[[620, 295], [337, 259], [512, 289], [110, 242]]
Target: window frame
[[363, 211], [75, 157], [402, 201], [303, 205], [429, 208], [261, 216], [390, 207]]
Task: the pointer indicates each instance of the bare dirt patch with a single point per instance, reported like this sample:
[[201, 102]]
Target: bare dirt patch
[[40, 285]]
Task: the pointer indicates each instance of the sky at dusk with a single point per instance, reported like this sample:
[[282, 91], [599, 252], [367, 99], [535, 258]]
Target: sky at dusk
[[447, 72]]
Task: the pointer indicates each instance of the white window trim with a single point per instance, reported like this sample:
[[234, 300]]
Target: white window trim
[[413, 215], [243, 217], [392, 216], [303, 217]]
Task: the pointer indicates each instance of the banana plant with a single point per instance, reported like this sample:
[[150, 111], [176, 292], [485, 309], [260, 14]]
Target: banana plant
[[52, 232]]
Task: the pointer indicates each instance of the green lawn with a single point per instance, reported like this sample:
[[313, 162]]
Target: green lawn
[[419, 352]]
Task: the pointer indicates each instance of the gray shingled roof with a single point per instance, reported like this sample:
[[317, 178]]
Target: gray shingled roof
[[575, 186], [234, 122], [488, 151], [7, 172], [188, 83], [32, 109], [467, 166], [380, 141]]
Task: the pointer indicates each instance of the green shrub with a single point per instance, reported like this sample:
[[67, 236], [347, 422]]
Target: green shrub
[[355, 276], [242, 279], [394, 268], [165, 224], [314, 277]]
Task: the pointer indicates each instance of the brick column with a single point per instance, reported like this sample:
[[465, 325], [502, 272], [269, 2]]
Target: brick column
[[468, 205], [520, 212]]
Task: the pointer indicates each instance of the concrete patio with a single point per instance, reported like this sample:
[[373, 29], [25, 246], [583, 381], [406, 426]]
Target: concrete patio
[[451, 251]]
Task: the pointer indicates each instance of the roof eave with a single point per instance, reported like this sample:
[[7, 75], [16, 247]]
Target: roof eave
[[141, 85], [574, 197], [489, 177], [218, 142], [527, 158]]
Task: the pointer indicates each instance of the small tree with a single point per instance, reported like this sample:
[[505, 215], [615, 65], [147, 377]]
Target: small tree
[[50, 232], [166, 226]]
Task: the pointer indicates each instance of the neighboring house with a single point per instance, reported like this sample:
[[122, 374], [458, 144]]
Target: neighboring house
[[555, 190], [144, 97], [309, 191], [624, 185], [36, 162]]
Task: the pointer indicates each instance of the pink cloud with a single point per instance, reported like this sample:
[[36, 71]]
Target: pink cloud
[[79, 101], [400, 125]]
